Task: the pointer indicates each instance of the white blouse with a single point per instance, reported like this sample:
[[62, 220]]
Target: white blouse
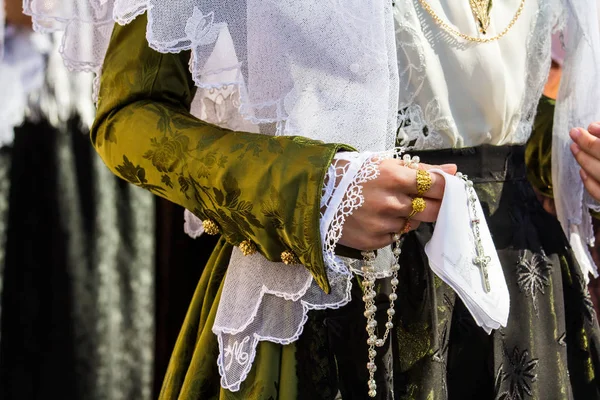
[[463, 94]]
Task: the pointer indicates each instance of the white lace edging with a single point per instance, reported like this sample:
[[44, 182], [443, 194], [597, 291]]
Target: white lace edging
[[267, 301]]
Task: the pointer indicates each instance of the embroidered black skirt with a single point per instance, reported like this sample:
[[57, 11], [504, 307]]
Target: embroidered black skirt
[[549, 349]]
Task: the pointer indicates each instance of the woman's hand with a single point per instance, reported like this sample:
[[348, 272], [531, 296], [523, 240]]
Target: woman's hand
[[586, 149], [388, 201]]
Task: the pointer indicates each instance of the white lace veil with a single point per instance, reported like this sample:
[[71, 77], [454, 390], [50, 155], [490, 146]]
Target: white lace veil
[[578, 105], [290, 60]]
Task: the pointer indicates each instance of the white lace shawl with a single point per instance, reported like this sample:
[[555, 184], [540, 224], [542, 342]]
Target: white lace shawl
[[316, 65]]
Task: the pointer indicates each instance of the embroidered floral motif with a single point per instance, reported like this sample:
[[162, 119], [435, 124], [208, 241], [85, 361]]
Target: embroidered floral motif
[[516, 382], [533, 274]]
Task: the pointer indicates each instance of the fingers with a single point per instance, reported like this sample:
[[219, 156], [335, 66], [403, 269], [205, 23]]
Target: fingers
[[586, 142], [430, 214], [589, 163], [591, 185], [447, 168], [407, 183], [594, 129]]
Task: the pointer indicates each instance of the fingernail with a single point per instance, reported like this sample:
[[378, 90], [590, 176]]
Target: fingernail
[[575, 149], [448, 165], [575, 133], [583, 174], [595, 128]]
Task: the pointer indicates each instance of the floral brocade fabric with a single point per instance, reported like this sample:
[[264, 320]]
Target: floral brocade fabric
[[255, 187], [267, 189]]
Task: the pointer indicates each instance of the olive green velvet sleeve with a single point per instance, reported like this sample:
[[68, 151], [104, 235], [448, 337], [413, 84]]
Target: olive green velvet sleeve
[[255, 187]]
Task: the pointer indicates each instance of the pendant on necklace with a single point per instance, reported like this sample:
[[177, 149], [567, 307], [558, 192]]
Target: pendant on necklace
[[481, 11]]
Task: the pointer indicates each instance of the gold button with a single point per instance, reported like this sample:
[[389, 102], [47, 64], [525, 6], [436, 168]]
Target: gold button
[[247, 247], [289, 258], [210, 227]]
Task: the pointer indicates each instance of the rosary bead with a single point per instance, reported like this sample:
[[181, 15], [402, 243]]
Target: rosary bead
[[372, 393], [371, 366], [372, 386], [395, 267], [371, 340], [393, 296], [379, 343], [391, 311], [368, 314], [416, 159], [373, 308], [372, 324], [397, 251], [389, 325], [372, 353], [394, 281]]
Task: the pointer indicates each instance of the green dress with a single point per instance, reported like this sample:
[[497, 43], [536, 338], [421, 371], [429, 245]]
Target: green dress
[[267, 190]]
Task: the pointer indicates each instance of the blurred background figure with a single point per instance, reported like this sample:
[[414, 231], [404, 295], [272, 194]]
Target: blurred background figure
[[77, 254], [83, 255]]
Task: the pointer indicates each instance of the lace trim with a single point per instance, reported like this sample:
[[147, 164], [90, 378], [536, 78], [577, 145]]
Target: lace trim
[[240, 330]]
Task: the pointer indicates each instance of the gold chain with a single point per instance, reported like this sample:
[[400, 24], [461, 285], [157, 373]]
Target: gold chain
[[454, 32]]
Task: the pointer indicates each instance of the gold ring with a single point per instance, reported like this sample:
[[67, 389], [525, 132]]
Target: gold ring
[[424, 182], [418, 205]]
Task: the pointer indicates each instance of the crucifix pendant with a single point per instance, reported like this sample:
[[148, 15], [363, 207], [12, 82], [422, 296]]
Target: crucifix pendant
[[481, 11], [482, 262]]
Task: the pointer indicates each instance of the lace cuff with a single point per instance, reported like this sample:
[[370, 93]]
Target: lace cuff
[[269, 301]]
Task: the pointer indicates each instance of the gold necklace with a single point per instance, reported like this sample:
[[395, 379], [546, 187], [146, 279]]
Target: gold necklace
[[481, 11], [461, 35]]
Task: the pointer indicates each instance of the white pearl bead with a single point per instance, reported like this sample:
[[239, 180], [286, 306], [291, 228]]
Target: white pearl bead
[[373, 386], [372, 353], [406, 158], [368, 314], [379, 343], [459, 175], [371, 366], [372, 393], [389, 325], [393, 296], [371, 340], [397, 251], [372, 382], [372, 324], [416, 159], [395, 267], [373, 308], [394, 281], [391, 311]]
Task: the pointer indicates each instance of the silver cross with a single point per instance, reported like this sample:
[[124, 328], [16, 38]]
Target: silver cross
[[482, 262]]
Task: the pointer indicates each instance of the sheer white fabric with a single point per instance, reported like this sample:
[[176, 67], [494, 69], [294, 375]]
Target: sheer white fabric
[[578, 105], [450, 91]]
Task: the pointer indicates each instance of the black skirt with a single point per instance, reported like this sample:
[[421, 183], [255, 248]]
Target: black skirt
[[549, 349]]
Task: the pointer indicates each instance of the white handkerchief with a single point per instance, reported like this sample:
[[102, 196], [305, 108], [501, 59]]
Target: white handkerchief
[[451, 252]]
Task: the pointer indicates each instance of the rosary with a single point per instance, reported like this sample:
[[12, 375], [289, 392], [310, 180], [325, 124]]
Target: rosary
[[369, 273]]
